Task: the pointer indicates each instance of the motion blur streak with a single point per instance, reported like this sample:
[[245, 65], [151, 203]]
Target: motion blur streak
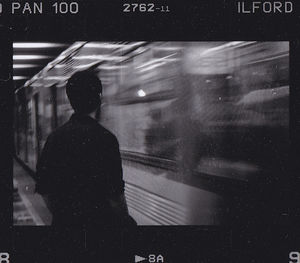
[[196, 121]]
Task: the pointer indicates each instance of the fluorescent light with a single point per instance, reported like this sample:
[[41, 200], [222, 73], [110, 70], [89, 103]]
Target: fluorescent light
[[141, 93], [136, 44], [165, 48], [231, 44], [112, 45], [111, 67], [37, 45], [86, 65], [19, 77], [36, 85], [100, 57], [74, 46], [56, 78], [57, 60], [152, 66], [29, 57], [25, 66], [103, 45], [83, 66], [60, 66], [35, 77], [163, 59]]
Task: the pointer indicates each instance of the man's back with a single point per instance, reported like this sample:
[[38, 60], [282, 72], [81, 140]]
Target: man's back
[[80, 170]]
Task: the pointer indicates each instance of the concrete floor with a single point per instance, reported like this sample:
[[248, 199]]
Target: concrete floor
[[29, 207]]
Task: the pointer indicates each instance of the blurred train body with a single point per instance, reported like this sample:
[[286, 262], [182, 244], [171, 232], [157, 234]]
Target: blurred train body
[[195, 120]]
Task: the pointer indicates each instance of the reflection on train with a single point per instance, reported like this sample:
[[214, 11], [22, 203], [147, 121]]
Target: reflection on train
[[193, 119]]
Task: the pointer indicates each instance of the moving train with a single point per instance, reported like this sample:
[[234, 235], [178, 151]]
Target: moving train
[[197, 122]]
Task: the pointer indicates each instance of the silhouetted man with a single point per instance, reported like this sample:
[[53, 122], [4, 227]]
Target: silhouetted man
[[79, 172]]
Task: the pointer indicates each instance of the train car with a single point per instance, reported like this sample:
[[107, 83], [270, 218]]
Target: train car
[[196, 121]]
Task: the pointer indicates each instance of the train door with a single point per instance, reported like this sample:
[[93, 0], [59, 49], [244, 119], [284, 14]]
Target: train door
[[21, 126], [33, 136]]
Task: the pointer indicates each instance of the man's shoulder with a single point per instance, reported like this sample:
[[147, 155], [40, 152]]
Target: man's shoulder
[[93, 129], [59, 130], [107, 134]]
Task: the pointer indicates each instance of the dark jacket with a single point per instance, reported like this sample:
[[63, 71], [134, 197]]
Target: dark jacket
[[80, 170]]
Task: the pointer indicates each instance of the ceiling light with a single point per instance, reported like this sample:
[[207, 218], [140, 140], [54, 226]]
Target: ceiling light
[[86, 65], [99, 57], [103, 45], [166, 48], [141, 93], [29, 57], [157, 60], [111, 67], [60, 66], [56, 78], [25, 66], [19, 77], [37, 45], [232, 44], [153, 66]]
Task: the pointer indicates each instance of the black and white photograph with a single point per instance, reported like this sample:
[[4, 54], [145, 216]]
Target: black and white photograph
[[150, 133], [159, 132]]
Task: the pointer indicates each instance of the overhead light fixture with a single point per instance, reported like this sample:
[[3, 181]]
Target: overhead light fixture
[[103, 45], [19, 77], [111, 67], [57, 60], [82, 66], [141, 93], [153, 66], [86, 65], [60, 66], [232, 44], [25, 66], [166, 48], [56, 78], [135, 44], [36, 85], [99, 57], [37, 45], [76, 45], [29, 57], [158, 60]]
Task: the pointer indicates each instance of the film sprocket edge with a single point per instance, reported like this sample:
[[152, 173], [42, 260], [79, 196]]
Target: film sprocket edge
[[193, 136]]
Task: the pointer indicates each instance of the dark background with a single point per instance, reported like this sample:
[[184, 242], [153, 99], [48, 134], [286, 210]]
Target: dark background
[[195, 20]]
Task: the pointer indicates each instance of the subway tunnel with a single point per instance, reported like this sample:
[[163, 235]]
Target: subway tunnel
[[202, 126]]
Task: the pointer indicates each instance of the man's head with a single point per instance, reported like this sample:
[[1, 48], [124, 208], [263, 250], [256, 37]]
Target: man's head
[[84, 92]]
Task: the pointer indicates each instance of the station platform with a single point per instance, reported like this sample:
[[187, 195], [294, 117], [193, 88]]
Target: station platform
[[29, 207], [152, 198]]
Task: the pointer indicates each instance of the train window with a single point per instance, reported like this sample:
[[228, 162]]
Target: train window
[[233, 113], [141, 112]]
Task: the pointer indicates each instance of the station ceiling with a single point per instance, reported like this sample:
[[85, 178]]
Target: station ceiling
[[31, 57]]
